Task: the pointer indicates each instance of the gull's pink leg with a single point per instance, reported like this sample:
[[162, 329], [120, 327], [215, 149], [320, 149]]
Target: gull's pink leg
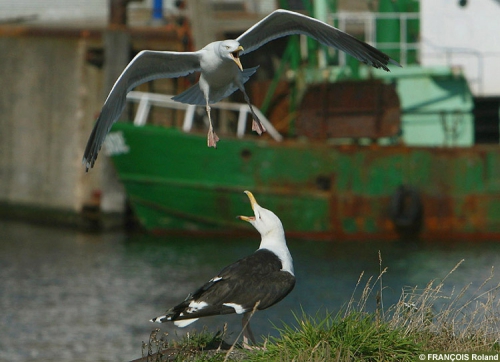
[[212, 137]]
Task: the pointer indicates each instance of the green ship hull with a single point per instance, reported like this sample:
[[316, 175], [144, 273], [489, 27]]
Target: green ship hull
[[174, 183]]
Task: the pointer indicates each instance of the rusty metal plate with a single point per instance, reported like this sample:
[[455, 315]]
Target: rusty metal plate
[[349, 109]]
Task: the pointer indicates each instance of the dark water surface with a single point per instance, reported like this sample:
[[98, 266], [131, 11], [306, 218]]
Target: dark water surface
[[72, 296]]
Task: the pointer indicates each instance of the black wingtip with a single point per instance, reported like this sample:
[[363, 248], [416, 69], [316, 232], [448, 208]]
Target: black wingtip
[[389, 61], [88, 165], [392, 61]]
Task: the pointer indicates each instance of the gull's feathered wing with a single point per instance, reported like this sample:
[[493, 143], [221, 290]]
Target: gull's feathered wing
[[281, 23], [146, 66]]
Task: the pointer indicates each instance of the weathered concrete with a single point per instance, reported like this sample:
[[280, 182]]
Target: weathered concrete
[[48, 102]]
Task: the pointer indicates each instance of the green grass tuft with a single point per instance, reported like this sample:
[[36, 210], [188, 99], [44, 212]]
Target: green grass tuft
[[356, 336]]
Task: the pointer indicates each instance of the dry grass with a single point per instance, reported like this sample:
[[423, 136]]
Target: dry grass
[[459, 324]]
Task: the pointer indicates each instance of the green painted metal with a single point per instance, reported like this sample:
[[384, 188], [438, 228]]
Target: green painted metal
[[389, 29], [175, 183], [436, 103]]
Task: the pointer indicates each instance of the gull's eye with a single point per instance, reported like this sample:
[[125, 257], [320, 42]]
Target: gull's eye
[[227, 47]]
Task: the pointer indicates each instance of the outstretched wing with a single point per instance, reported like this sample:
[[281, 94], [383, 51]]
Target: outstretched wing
[[146, 66], [281, 23]]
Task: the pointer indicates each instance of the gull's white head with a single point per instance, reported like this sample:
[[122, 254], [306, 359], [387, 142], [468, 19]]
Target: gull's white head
[[271, 230], [231, 49], [265, 221]]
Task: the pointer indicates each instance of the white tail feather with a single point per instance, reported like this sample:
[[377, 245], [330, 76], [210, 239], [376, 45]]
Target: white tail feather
[[185, 322]]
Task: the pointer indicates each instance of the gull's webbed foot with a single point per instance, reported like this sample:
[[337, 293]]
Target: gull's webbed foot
[[246, 345], [212, 138], [258, 127]]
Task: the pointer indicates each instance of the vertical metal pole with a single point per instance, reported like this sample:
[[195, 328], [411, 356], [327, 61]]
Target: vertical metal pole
[[188, 118], [342, 26], [242, 120], [320, 12], [118, 12], [403, 38]]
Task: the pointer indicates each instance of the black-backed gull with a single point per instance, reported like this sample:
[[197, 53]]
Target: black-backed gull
[[255, 282]]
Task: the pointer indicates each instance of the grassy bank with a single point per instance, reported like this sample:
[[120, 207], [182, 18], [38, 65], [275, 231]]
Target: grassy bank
[[423, 320]]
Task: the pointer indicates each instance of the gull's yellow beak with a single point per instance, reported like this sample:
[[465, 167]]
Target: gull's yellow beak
[[236, 57], [253, 202]]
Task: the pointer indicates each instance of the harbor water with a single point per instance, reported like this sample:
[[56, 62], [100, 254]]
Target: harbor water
[[67, 295]]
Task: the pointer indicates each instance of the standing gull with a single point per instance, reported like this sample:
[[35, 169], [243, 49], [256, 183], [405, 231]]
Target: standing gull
[[221, 69], [255, 282]]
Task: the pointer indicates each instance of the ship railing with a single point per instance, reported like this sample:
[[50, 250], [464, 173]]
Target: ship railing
[[368, 21], [411, 46], [146, 100]]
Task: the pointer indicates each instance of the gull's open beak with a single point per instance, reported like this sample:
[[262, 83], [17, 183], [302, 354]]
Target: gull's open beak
[[236, 57], [253, 202]]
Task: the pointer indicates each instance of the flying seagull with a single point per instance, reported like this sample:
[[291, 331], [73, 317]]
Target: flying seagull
[[221, 70], [255, 282]]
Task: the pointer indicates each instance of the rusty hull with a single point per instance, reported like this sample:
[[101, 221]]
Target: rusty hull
[[459, 189]]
